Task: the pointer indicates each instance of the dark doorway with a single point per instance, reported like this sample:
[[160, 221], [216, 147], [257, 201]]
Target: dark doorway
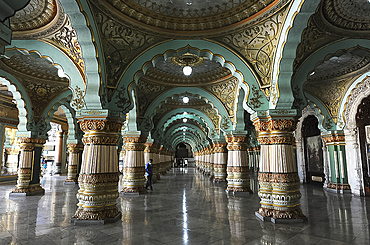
[[313, 151], [363, 124]]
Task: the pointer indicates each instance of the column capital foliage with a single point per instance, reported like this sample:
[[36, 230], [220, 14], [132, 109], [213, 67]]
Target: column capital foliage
[[100, 125], [275, 131]]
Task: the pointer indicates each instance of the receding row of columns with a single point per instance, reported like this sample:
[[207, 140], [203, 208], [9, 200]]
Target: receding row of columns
[[230, 161]]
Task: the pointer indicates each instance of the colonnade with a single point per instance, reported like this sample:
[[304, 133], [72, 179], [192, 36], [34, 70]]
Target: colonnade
[[231, 161]]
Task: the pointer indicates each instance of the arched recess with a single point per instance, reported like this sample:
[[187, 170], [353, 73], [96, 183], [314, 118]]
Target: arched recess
[[201, 94], [226, 58], [195, 131], [83, 23], [63, 100], [308, 111], [24, 105], [357, 94], [199, 117], [289, 40], [64, 65], [301, 75]]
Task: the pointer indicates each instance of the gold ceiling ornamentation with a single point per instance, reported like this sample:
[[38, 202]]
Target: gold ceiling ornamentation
[[158, 76], [38, 19], [258, 45], [120, 44], [195, 103], [255, 98], [187, 59], [330, 93], [32, 67], [313, 37], [212, 115], [225, 123], [349, 15], [146, 93], [36, 14], [66, 40], [198, 16], [78, 102], [39, 78], [226, 93]]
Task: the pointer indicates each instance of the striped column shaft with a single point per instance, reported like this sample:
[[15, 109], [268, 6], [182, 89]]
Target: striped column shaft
[[98, 178]]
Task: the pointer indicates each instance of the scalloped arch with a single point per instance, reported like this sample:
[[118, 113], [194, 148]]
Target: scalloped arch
[[224, 56], [80, 14], [20, 96], [299, 13]]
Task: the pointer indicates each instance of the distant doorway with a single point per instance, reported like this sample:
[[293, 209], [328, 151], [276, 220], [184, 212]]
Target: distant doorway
[[363, 124], [313, 151]]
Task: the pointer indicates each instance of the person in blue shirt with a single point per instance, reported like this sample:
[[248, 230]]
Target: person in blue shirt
[[149, 174]]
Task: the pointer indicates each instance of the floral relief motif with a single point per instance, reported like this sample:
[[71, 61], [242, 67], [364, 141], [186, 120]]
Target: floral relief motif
[[258, 45], [66, 39], [121, 44], [226, 92]]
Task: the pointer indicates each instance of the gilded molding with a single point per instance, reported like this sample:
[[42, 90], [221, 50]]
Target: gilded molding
[[260, 49], [100, 125]]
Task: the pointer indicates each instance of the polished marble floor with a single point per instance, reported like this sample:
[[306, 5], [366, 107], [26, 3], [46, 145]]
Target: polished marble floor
[[184, 208]]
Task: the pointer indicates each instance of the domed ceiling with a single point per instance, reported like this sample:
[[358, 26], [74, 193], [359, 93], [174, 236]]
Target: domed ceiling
[[192, 15]]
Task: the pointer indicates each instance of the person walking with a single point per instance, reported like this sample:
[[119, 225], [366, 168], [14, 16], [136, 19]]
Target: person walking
[[149, 174]]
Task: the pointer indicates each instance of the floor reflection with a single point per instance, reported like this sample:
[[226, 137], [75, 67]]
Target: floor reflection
[[185, 207]]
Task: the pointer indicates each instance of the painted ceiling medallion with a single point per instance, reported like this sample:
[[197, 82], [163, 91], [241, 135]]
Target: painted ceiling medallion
[[36, 14], [349, 14], [187, 59], [191, 15]]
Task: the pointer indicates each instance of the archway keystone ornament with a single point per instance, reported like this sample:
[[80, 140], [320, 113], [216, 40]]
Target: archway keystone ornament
[[98, 179], [278, 176]]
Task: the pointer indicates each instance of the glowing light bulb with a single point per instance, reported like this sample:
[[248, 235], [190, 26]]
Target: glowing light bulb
[[185, 99], [187, 70]]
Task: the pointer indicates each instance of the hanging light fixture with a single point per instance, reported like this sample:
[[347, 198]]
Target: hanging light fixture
[[185, 120], [185, 99], [187, 70]]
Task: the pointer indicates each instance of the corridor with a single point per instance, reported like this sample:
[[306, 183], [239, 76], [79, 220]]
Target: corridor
[[184, 208]]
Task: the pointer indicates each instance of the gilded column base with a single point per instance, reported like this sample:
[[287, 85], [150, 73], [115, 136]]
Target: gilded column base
[[82, 214], [239, 177], [97, 196], [72, 174], [31, 190], [220, 172], [23, 187], [134, 181]]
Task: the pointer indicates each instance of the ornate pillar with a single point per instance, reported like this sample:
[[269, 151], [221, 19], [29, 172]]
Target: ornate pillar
[[73, 163], [237, 167], [278, 176], [149, 153], [335, 143], [220, 161], [28, 182], [162, 164], [207, 161], [212, 162], [156, 163], [59, 152], [134, 168], [98, 178]]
